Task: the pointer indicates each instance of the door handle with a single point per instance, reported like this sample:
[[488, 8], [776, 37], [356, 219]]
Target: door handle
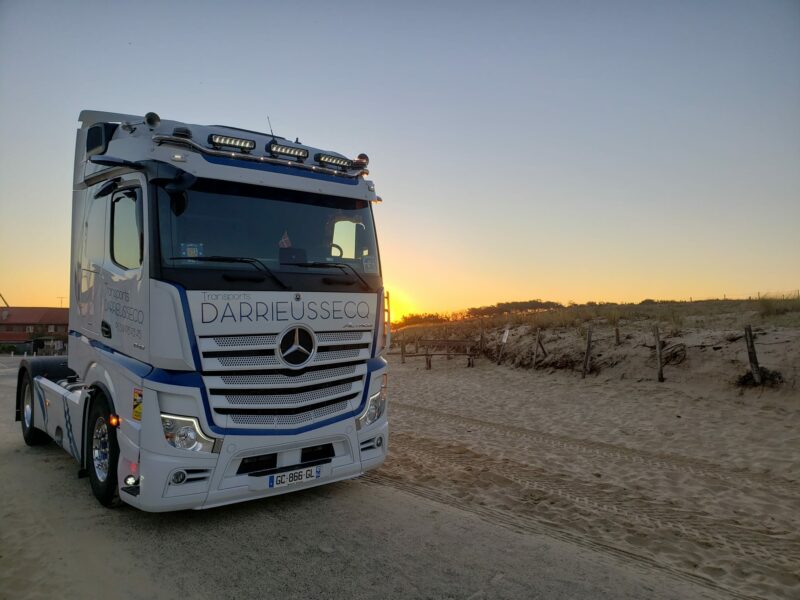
[[105, 329]]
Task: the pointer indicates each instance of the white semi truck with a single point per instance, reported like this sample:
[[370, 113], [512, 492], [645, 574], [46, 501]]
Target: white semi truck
[[227, 317]]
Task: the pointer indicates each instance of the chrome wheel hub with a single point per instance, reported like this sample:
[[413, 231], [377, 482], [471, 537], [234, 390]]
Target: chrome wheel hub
[[100, 449]]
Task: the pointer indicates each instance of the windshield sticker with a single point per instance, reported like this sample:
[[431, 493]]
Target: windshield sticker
[[285, 242], [370, 264], [191, 250]]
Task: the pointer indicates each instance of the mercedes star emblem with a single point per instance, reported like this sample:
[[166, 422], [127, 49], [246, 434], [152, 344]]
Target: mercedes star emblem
[[297, 346]]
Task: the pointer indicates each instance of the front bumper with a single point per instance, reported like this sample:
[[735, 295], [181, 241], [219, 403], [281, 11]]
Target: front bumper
[[213, 480]]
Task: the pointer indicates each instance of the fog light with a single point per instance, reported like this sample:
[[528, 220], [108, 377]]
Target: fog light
[[130, 480], [379, 442], [178, 477]]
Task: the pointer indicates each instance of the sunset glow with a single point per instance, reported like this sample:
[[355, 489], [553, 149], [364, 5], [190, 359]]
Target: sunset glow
[[524, 152]]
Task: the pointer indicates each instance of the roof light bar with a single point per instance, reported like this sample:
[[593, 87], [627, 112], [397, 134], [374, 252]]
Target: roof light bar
[[338, 161], [276, 148], [231, 142], [205, 149]]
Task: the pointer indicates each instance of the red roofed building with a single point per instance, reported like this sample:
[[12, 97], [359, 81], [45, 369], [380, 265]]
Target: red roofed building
[[34, 329]]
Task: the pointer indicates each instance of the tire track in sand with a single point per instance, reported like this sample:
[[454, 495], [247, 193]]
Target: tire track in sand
[[608, 451], [455, 475], [527, 524], [621, 506]]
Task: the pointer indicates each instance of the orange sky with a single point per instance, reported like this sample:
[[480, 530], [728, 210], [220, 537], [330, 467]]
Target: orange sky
[[547, 151]]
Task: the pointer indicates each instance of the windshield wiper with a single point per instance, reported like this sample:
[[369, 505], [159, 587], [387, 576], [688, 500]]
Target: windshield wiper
[[337, 265], [237, 259]]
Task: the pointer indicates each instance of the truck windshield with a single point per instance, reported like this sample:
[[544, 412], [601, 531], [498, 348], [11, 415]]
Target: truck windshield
[[224, 226]]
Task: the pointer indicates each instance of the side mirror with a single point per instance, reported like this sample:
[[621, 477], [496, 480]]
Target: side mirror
[[97, 138], [182, 182], [107, 188]]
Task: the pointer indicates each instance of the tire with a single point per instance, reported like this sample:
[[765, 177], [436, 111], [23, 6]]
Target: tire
[[102, 452], [31, 435]]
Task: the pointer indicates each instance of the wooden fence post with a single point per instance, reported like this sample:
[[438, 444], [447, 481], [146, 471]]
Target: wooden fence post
[[616, 334], [658, 354], [447, 343], [416, 344], [588, 352], [427, 359], [536, 348], [501, 346], [402, 349], [751, 354]]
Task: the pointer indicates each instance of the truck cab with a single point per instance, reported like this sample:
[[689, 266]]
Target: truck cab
[[227, 317]]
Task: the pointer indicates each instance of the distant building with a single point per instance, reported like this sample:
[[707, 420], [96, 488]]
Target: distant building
[[34, 329]]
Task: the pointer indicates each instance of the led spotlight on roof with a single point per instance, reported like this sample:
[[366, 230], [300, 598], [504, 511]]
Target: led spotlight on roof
[[231, 142], [336, 161], [362, 161], [276, 148]]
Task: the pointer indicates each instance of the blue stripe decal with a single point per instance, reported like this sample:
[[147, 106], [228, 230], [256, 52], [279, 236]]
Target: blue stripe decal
[[38, 389], [247, 164], [379, 311], [187, 317], [133, 365], [73, 447]]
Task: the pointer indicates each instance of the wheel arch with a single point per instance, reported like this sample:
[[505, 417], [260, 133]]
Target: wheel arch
[[53, 368]]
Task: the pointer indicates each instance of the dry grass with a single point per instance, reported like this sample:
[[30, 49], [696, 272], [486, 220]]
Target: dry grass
[[673, 317], [771, 306]]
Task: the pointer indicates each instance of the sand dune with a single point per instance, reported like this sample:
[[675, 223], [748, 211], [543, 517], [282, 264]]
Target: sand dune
[[694, 476]]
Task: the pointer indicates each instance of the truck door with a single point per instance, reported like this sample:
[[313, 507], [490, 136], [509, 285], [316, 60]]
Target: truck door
[[93, 252], [125, 272]]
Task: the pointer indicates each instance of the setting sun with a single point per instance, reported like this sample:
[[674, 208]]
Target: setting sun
[[401, 303]]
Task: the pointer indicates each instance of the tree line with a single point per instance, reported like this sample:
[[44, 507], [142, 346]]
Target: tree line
[[499, 309]]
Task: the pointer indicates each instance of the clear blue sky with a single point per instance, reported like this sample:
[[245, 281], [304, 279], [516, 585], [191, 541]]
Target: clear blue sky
[[562, 150]]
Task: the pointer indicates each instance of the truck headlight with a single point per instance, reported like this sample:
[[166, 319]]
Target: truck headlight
[[376, 406], [185, 433]]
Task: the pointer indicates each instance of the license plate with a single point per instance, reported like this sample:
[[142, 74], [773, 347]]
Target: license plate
[[294, 477]]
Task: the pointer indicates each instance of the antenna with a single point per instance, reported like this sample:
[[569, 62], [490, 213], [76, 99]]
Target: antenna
[[270, 127], [4, 301], [61, 301]]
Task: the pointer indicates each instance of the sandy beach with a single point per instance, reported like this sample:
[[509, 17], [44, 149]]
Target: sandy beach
[[694, 476]]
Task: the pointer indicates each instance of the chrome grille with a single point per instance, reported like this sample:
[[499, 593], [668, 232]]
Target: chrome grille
[[302, 418], [247, 361], [340, 336], [289, 399], [226, 341], [285, 379], [336, 355], [248, 382]]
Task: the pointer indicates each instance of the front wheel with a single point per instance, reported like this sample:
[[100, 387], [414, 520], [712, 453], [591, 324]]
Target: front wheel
[[103, 452], [31, 435]]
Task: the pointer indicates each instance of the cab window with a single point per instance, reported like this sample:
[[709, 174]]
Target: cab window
[[126, 229]]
